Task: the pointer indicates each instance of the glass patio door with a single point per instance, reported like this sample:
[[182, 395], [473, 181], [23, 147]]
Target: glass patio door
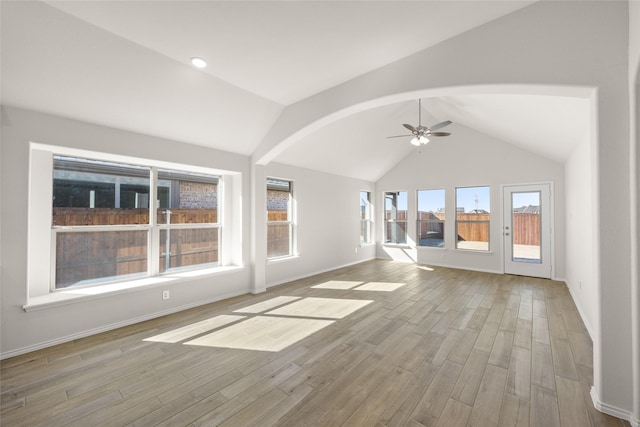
[[527, 230]]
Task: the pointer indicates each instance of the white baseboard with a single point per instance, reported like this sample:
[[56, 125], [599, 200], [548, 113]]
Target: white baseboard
[[612, 410], [304, 276], [83, 334]]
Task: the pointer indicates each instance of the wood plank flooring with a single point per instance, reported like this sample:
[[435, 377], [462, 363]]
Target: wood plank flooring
[[447, 348]]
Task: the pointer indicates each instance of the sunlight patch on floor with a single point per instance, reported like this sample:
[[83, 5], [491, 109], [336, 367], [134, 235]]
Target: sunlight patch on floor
[[331, 308], [380, 286], [338, 284], [194, 329], [266, 305], [262, 333]]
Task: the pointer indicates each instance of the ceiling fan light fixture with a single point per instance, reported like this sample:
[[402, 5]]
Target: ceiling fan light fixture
[[418, 140], [198, 62]]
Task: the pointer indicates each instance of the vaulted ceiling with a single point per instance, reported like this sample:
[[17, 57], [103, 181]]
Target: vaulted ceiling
[[126, 65]]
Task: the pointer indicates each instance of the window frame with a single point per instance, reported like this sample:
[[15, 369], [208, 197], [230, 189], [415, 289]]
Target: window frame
[[290, 222], [152, 228], [487, 222], [389, 221], [190, 226], [366, 218], [38, 294], [430, 221]]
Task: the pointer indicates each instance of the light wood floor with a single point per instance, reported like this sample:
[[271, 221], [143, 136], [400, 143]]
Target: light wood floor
[[448, 348]]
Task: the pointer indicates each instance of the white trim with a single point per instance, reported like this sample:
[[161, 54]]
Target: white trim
[[612, 410], [397, 245], [548, 220], [283, 258], [41, 245], [117, 325], [473, 251], [82, 294]]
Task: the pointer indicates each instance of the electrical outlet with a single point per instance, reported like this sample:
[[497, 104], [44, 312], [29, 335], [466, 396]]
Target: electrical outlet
[[165, 294]]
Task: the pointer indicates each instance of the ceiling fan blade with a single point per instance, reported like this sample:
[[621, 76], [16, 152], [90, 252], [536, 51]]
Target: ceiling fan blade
[[399, 136], [439, 133], [411, 128], [441, 125]]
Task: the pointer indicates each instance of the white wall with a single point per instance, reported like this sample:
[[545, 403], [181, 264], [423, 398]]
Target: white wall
[[328, 223], [581, 274], [22, 330], [464, 159], [634, 96]]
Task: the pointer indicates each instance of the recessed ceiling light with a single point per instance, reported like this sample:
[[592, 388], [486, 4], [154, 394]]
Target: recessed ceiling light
[[198, 62]]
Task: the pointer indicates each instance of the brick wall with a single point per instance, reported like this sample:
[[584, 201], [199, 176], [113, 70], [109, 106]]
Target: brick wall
[[198, 195], [277, 200]]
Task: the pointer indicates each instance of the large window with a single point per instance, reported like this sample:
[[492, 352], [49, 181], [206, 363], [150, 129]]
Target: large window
[[104, 229], [472, 218], [365, 217], [430, 218], [395, 218], [279, 218]]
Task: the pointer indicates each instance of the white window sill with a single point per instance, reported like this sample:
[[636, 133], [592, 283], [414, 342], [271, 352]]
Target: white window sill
[[282, 259], [473, 251], [71, 295], [398, 245]]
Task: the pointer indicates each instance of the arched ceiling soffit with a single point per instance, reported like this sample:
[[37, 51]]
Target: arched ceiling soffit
[[564, 108]]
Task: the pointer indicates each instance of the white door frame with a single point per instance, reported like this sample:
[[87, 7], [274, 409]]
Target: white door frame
[[545, 269]]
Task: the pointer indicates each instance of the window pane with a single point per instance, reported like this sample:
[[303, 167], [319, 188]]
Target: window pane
[[188, 247], [365, 231], [278, 200], [472, 218], [397, 232], [279, 236], [473, 235], [526, 227], [365, 217], [395, 216], [93, 192], [187, 198], [92, 257], [278, 240], [431, 216], [365, 205]]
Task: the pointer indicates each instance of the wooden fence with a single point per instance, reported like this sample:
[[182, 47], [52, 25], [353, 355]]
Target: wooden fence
[[475, 227], [113, 216], [86, 256], [526, 229]]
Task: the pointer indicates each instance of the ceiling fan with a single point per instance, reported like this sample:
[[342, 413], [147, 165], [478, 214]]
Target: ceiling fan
[[421, 133]]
